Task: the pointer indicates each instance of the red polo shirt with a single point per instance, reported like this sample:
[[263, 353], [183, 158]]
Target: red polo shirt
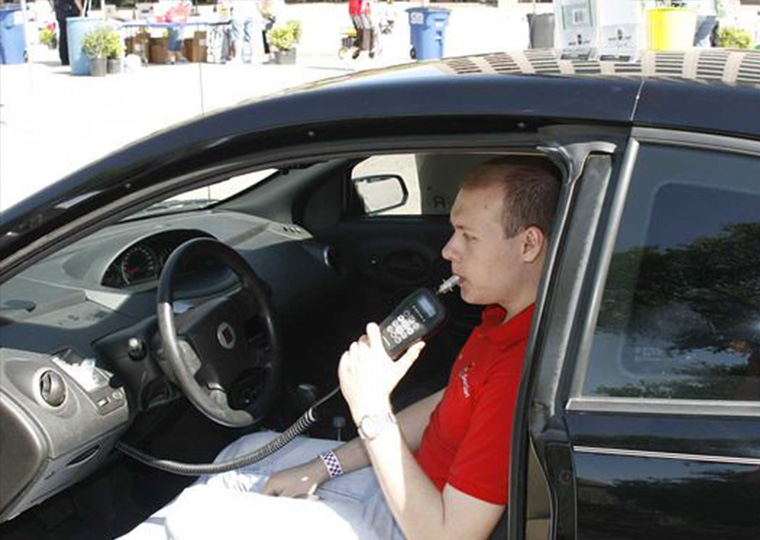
[[359, 7], [466, 443]]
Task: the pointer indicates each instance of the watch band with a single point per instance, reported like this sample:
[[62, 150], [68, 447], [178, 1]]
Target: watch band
[[371, 425]]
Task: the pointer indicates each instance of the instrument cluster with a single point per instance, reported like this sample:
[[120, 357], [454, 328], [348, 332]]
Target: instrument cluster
[[143, 261]]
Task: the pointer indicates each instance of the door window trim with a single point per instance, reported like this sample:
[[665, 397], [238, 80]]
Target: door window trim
[[677, 456], [669, 407]]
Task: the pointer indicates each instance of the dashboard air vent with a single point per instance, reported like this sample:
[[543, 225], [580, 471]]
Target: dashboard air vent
[[52, 388]]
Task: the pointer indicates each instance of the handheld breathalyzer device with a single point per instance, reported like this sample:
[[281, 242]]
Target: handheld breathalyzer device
[[415, 317]]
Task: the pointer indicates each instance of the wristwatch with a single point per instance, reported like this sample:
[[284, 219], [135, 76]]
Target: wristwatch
[[371, 425]]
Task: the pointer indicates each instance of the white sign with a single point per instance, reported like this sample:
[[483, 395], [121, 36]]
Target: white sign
[[607, 29], [621, 29], [577, 32]]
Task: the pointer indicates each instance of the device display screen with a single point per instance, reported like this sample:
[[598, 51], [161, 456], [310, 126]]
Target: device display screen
[[426, 306]]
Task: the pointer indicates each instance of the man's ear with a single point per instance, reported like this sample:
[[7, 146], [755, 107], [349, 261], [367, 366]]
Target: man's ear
[[533, 244]]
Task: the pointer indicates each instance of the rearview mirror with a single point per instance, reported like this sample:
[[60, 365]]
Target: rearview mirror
[[381, 192]]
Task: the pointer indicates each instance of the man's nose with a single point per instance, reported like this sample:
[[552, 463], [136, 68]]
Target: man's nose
[[448, 252]]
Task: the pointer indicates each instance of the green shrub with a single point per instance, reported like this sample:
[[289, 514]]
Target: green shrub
[[286, 36], [734, 38], [98, 42], [115, 47]]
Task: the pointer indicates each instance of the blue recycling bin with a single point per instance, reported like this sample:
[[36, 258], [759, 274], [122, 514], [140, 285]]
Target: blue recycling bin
[[11, 34], [77, 28], [428, 31]]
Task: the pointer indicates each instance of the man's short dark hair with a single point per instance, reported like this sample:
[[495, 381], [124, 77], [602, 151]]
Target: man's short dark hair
[[531, 186]]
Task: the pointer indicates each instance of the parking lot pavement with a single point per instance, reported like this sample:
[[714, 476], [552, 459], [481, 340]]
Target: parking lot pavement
[[52, 123]]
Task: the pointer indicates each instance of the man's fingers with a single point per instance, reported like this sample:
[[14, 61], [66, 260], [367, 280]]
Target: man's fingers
[[405, 362], [373, 333]]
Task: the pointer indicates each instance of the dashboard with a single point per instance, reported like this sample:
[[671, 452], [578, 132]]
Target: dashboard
[[68, 388]]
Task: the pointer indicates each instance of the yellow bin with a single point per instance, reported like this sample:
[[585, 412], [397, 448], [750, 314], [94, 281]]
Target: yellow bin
[[671, 29]]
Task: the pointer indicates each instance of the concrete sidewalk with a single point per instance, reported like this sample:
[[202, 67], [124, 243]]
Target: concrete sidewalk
[[52, 123]]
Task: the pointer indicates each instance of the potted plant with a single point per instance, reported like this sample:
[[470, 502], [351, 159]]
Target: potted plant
[[115, 52], [48, 36], [95, 46], [283, 39]]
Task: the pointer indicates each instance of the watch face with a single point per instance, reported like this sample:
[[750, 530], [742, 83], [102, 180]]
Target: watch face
[[369, 426]]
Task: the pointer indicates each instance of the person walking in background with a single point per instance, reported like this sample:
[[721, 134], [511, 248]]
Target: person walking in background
[[360, 12], [64, 9], [268, 9], [707, 21], [246, 21]]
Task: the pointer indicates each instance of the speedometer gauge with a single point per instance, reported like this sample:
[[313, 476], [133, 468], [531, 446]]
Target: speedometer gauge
[[139, 263]]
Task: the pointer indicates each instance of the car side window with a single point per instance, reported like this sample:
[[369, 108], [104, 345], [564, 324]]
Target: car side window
[[680, 312], [432, 181]]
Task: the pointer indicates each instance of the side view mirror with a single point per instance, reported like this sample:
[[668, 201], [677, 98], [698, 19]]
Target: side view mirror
[[381, 192]]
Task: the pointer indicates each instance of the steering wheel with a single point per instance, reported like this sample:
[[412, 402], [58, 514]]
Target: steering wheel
[[225, 352]]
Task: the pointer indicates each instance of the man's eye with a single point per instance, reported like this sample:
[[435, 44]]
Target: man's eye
[[468, 237]]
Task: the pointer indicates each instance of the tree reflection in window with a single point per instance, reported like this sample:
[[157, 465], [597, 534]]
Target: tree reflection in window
[[684, 320]]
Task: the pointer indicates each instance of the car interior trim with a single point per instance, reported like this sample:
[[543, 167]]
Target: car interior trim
[[665, 455], [686, 407]]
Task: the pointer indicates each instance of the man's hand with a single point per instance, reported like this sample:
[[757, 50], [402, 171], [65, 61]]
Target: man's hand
[[368, 375], [297, 482]]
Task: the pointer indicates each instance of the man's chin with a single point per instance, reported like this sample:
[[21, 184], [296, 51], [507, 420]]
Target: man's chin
[[471, 297], [467, 296]]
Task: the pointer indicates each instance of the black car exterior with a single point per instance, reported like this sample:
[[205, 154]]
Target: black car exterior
[[639, 414]]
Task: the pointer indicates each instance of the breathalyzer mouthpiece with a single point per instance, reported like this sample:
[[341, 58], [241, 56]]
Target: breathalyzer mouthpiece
[[448, 285]]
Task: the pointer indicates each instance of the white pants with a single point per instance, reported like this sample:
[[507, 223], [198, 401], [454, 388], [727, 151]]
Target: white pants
[[229, 505]]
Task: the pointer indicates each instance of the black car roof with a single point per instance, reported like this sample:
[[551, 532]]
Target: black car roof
[[710, 90]]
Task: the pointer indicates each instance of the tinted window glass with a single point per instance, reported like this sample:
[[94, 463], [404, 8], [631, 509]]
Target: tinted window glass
[[680, 314]]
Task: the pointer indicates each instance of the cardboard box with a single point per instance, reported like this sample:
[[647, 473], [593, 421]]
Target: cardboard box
[[195, 47], [139, 44], [159, 50]]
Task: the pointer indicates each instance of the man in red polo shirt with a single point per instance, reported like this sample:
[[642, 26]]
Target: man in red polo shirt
[[440, 468], [443, 463]]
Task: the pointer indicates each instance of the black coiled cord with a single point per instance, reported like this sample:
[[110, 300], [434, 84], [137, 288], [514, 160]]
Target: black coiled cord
[[191, 469]]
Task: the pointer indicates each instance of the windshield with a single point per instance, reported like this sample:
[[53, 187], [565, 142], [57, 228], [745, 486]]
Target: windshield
[[207, 196]]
